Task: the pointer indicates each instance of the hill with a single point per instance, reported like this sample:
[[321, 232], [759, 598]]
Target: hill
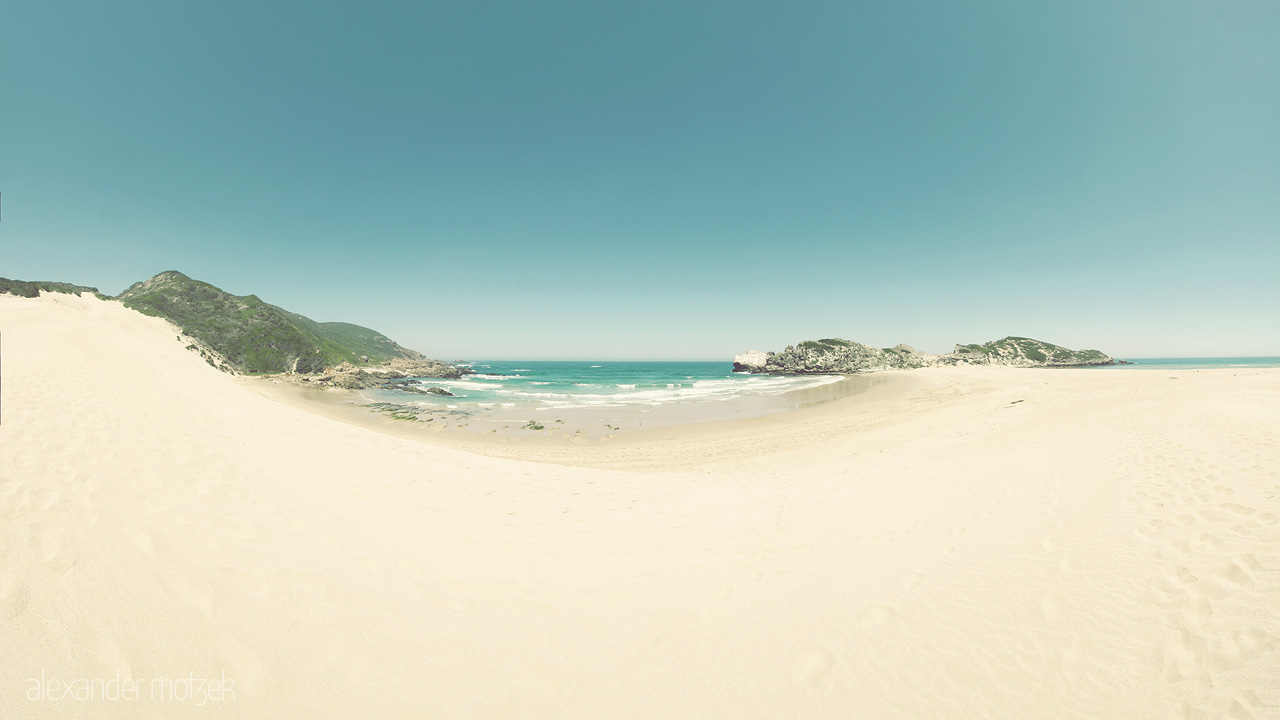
[[257, 337]]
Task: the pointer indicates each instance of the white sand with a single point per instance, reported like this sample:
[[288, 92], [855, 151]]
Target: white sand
[[1107, 548]]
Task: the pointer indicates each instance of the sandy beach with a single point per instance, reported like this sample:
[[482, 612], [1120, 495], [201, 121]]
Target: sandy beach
[[952, 543]]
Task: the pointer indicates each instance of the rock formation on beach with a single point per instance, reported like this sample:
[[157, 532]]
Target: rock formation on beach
[[837, 356], [394, 374]]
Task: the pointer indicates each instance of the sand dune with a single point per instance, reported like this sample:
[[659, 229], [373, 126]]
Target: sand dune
[[956, 543]]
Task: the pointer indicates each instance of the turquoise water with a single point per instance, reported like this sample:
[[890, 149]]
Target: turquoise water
[[1201, 363], [582, 384], [562, 385], [597, 399]]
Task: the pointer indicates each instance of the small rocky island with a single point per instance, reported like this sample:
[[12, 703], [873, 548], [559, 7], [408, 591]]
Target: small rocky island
[[837, 356]]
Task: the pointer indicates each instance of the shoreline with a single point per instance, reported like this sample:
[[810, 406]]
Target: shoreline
[[728, 442], [745, 414], [826, 411]]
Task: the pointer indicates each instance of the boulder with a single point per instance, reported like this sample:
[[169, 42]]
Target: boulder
[[750, 361]]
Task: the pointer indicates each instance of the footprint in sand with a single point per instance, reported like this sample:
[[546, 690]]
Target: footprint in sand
[[50, 547], [14, 502], [810, 665], [1053, 605], [1195, 541], [1150, 528], [1186, 520], [140, 538], [1184, 577], [1182, 652], [1255, 564], [1251, 704], [1236, 573], [191, 591], [1234, 649], [236, 527], [1187, 711], [247, 582], [15, 595], [309, 583], [877, 615], [50, 500], [1198, 591], [546, 676]]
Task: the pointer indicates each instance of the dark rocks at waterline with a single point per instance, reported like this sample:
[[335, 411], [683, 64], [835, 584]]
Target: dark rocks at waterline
[[409, 386]]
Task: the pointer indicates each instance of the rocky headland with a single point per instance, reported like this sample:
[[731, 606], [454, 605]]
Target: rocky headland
[[242, 334], [838, 356]]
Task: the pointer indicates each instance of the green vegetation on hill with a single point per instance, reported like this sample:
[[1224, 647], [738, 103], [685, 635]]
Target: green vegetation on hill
[[255, 336], [32, 288], [824, 345], [1015, 349], [833, 355]]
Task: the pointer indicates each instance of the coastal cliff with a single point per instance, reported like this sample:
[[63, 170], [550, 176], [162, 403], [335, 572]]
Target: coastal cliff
[[838, 356]]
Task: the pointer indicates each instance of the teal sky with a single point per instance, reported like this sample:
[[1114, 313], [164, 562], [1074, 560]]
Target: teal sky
[[664, 179]]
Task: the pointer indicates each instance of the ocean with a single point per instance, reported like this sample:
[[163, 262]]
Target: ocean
[[1200, 363], [558, 385], [596, 399]]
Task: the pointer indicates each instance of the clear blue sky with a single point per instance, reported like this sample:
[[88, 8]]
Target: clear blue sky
[[664, 179]]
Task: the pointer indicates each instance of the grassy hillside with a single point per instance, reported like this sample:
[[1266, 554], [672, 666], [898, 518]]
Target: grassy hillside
[[255, 336], [32, 288]]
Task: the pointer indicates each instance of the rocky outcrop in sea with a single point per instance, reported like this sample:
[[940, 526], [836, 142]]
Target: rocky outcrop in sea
[[1025, 352], [838, 356]]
